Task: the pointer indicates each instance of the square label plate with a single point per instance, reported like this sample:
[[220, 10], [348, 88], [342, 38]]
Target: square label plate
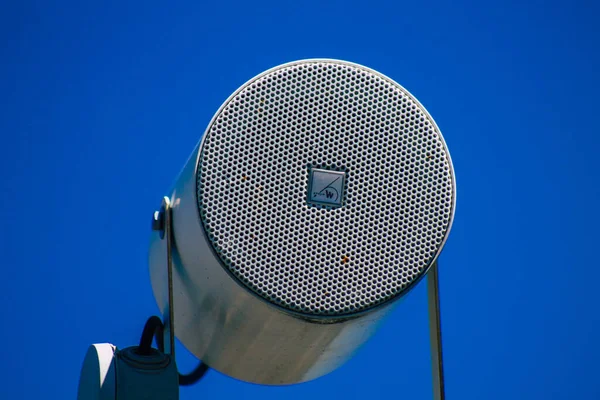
[[326, 187]]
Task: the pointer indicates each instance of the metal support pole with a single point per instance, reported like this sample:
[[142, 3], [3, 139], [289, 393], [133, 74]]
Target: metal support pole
[[435, 332]]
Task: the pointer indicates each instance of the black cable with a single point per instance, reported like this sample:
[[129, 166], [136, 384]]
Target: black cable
[[194, 376], [154, 330]]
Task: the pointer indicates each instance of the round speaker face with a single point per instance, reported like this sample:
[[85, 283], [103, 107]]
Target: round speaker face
[[325, 187]]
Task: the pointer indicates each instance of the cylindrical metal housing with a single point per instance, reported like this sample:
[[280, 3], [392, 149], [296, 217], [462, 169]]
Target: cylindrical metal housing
[[320, 193]]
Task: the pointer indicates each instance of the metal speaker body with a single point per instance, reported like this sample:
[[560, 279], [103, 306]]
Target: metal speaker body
[[320, 193]]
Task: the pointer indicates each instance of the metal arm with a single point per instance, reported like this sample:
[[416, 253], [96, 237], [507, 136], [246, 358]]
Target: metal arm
[[435, 332], [162, 223], [169, 332]]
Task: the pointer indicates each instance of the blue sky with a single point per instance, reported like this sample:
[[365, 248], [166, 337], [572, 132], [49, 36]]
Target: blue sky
[[103, 102]]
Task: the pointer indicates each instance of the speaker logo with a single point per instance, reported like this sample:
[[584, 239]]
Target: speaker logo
[[326, 187]]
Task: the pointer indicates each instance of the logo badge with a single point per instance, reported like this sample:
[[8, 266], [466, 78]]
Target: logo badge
[[326, 187]]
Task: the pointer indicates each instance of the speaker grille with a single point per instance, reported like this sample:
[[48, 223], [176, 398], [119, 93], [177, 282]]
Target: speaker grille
[[252, 182]]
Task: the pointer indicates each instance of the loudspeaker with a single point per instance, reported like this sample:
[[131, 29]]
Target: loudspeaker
[[321, 192]]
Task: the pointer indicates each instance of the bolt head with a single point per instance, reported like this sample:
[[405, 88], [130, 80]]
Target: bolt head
[[158, 221]]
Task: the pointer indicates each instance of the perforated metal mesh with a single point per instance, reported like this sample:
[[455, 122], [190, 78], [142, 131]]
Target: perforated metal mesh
[[253, 176]]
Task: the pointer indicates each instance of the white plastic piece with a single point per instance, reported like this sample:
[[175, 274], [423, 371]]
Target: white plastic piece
[[98, 373]]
